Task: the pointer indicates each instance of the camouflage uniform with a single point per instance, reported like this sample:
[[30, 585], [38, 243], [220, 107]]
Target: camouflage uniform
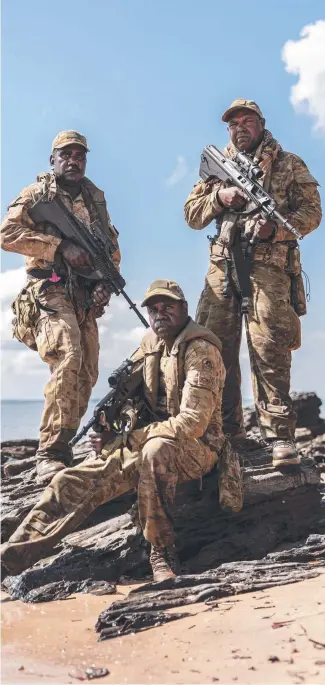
[[66, 338], [273, 326], [184, 444]]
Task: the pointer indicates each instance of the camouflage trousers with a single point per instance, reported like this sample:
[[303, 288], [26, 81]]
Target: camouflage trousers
[[67, 341], [273, 330], [75, 492]]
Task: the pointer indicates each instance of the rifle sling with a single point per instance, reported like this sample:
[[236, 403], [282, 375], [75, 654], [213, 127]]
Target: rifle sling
[[242, 267]]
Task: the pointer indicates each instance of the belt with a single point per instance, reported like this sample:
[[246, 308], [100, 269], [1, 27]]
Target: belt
[[44, 274]]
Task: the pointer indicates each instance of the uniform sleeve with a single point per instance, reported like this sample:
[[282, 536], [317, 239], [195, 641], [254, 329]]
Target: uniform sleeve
[[204, 379], [18, 233], [304, 202], [202, 205]]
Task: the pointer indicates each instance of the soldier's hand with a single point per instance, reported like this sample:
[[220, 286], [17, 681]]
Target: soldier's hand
[[264, 228], [232, 197], [98, 311], [74, 255], [98, 440], [100, 294]]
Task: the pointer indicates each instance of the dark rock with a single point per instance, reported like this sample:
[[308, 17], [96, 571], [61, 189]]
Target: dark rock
[[229, 579], [277, 508], [133, 622], [307, 407]]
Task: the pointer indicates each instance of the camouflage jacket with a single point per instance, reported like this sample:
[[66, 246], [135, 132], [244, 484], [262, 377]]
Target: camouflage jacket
[[18, 233], [194, 378], [292, 187]]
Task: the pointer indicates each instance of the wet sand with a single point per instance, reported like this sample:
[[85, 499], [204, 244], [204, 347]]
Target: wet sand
[[232, 643]]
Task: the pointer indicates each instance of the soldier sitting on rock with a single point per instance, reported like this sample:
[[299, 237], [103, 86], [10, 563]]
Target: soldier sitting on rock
[[181, 382]]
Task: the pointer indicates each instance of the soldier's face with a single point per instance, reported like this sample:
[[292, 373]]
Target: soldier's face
[[245, 130], [69, 163], [167, 316]]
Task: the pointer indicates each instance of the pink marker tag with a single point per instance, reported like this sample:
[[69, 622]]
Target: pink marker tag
[[54, 278]]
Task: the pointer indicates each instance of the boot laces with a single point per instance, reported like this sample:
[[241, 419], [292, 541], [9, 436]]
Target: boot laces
[[163, 559], [158, 559], [284, 443]]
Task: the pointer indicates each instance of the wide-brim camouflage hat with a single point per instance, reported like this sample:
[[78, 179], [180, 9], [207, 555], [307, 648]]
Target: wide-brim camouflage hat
[[163, 287], [65, 138], [241, 104]]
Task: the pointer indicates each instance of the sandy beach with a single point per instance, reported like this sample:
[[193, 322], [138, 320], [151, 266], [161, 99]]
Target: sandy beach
[[269, 636]]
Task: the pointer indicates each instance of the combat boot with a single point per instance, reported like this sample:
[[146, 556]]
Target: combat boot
[[237, 439], [284, 453], [47, 468], [164, 563]]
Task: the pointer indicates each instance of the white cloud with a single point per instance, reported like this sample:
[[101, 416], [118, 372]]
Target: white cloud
[[306, 59], [179, 172], [11, 282]]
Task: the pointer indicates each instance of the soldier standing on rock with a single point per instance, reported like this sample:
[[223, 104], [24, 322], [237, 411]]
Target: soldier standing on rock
[[53, 315], [278, 298], [181, 376]]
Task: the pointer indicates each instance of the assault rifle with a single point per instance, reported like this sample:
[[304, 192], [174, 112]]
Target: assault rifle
[[94, 240], [123, 384], [243, 173]]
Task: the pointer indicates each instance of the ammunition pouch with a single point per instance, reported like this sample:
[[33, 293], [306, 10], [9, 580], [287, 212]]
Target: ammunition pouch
[[285, 255], [26, 310]]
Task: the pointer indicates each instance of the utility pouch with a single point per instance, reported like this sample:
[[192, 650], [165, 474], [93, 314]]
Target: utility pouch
[[297, 291], [26, 310], [298, 295]]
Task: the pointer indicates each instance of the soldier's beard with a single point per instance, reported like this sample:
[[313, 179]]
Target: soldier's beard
[[247, 144], [170, 331], [70, 182], [71, 186]]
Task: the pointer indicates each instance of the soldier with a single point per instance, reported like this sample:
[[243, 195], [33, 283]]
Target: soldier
[[182, 375], [273, 325], [53, 315]]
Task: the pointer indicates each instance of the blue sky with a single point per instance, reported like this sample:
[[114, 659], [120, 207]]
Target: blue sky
[[146, 82]]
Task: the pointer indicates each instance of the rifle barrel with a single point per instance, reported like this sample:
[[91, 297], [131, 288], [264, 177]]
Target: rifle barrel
[[83, 432], [135, 308], [286, 224]]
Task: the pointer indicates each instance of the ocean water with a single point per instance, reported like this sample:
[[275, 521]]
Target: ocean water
[[21, 419]]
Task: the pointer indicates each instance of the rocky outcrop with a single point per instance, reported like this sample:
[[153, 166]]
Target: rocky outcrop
[[278, 508], [144, 607]]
